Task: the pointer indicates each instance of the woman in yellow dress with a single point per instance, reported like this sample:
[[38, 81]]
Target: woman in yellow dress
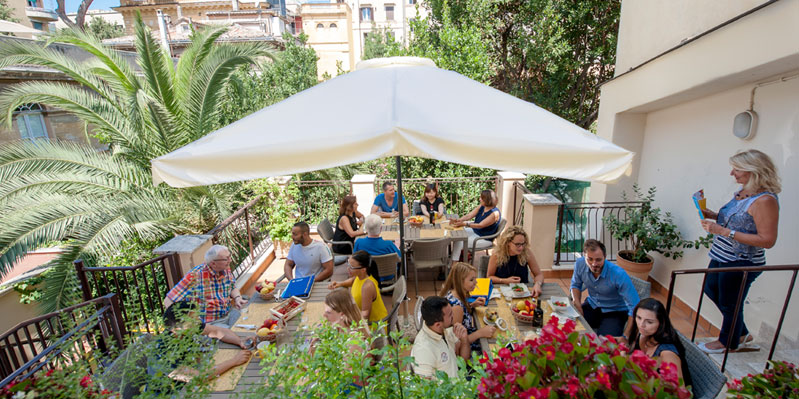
[[365, 290]]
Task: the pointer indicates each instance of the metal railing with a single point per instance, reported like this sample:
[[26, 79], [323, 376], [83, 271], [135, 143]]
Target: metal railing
[[579, 221], [739, 302], [69, 335], [460, 194], [319, 199], [141, 288], [244, 234]]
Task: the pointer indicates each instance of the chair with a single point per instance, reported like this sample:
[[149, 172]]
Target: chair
[[417, 313], [485, 243], [400, 290], [642, 287], [429, 254], [706, 377], [482, 267], [417, 208], [387, 268], [325, 230]]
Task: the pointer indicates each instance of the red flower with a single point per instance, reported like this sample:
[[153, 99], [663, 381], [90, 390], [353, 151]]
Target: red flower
[[86, 381], [567, 348], [504, 353], [573, 386], [534, 393], [603, 378], [669, 372]]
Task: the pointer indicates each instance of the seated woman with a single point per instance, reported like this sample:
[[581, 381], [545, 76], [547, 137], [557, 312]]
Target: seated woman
[[653, 334], [347, 225], [431, 201], [486, 221], [511, 260], [460, 281], [364, 285]]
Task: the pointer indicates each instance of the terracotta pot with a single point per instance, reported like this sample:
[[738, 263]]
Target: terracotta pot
[[281, 248], [640, 270]]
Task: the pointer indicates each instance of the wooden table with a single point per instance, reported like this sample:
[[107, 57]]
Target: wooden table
[[426, 232], [548, 290], [252, 372]]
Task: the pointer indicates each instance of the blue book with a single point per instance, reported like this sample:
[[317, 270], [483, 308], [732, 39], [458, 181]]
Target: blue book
[[300, 287]]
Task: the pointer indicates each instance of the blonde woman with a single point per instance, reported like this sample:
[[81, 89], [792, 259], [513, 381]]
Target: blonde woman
[[743, 229], [460, 282], [486, 222], [512, 259], [340, 308]]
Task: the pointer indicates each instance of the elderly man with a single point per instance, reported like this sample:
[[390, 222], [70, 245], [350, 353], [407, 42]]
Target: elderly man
[[373, 243], [307, 257], [386, 204], [438, 342], [611, 294], [212, 286]]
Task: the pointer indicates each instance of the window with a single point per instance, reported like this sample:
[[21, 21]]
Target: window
[[389, 13], [37, 25], [333, 26], [411, 1], [320, 26], [32, 3], [31, 123], [366, 14]]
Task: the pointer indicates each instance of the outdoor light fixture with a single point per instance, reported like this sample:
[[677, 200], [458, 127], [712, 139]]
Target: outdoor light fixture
[[745, 124]]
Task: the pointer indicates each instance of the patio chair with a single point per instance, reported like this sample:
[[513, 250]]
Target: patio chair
[[429, 254], [325, 230], [643, 287], [387, 268], [485, 243], [706, 376], [417, 313], [417, 207], [400, 289], [482, 267]]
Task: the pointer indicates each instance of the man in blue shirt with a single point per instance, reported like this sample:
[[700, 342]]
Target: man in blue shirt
[[373, 243], [611, 294], [386, 204]]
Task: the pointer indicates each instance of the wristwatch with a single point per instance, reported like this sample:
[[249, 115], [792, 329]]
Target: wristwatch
[[731, 236]]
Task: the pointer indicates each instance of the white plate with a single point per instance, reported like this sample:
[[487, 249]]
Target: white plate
[[569, 313], [500, 323], [521, 294]]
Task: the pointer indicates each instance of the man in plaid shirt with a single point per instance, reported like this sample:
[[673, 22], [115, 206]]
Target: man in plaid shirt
[[211, 285]]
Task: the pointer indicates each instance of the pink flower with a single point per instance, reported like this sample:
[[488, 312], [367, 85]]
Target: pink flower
[[603, 378], [535, 393], [504, 353], [567, 348], [86, 381], [669, 372], [573, 386]]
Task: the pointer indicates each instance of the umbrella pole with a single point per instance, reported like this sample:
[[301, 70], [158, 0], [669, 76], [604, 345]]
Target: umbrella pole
[[404, 262]]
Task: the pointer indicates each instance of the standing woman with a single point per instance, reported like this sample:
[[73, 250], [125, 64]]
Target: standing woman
[[512, 259], [431, 201], [365, 290], [348, 224], [744, 227]]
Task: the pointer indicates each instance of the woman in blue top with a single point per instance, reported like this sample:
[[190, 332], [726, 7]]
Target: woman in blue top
[[653, 334], [744, 227], [486, 221]]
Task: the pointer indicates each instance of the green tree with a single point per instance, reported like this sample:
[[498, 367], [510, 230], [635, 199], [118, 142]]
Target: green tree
[[103, 29], [6, 12], [380, 43], [58, 191]]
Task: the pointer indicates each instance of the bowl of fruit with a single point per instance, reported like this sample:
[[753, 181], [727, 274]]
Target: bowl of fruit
[[523, 311], [288, 308], [269, 330], [416, 221], [266, 290], [560, 306]]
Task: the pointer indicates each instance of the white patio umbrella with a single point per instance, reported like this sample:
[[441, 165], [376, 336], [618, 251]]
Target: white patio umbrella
[[399, 106], [13, 27]]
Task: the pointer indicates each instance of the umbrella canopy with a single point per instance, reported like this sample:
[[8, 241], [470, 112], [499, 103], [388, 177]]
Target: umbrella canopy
[[392, 107], [13, 27]]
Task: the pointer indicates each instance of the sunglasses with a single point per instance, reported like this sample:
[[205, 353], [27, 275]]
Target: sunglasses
[[353, 268]]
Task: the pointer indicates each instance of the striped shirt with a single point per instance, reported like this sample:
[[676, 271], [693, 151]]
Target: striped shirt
[[735, 216], [210, 289]]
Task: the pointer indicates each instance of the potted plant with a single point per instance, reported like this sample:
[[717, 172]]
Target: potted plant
[[647, 229], [280, 211], [780, 380], [562, 363]]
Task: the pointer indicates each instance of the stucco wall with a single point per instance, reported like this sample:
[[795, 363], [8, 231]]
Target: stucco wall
[[650, 27], [686, 148]]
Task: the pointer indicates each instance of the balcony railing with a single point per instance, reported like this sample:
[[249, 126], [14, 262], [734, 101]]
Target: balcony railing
[[460, 194], [68, 335], [739, 302], [579, 221], [141, 288], [244, 234]]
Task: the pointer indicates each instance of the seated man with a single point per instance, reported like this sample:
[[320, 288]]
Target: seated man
[[373, 243], [611, 294], [386, 204], [307, 257], [438, 341], [212, 286], [172, 358]]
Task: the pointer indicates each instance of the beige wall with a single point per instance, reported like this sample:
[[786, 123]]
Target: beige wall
[[332, 44], [650, 27], [676, 114], [13, 311]]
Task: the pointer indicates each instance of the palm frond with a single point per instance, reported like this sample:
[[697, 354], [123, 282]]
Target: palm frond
[[202, 42], [155, 66], [61, 288]]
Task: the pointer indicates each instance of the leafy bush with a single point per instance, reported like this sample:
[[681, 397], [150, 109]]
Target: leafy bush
[[279, 206], [561, 363], [781, 380]]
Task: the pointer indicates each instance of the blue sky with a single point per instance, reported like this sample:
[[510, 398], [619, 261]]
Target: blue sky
[[72, 5]]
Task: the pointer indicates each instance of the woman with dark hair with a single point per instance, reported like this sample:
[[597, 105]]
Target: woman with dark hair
[[431, 201], [365, 290], [653, 334], [348, 224], [486, 221]]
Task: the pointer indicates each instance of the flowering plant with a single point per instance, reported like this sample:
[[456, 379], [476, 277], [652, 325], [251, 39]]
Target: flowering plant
[[55, 383], [779, 381], [561, 363]]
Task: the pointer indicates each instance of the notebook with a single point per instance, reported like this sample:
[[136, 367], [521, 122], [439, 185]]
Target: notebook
[[300, 287], [483, 289]]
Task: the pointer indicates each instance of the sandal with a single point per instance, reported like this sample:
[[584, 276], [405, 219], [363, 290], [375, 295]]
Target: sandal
[[703, 347]]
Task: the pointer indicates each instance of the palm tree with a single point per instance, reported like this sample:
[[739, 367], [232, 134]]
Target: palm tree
[[96, 200]]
